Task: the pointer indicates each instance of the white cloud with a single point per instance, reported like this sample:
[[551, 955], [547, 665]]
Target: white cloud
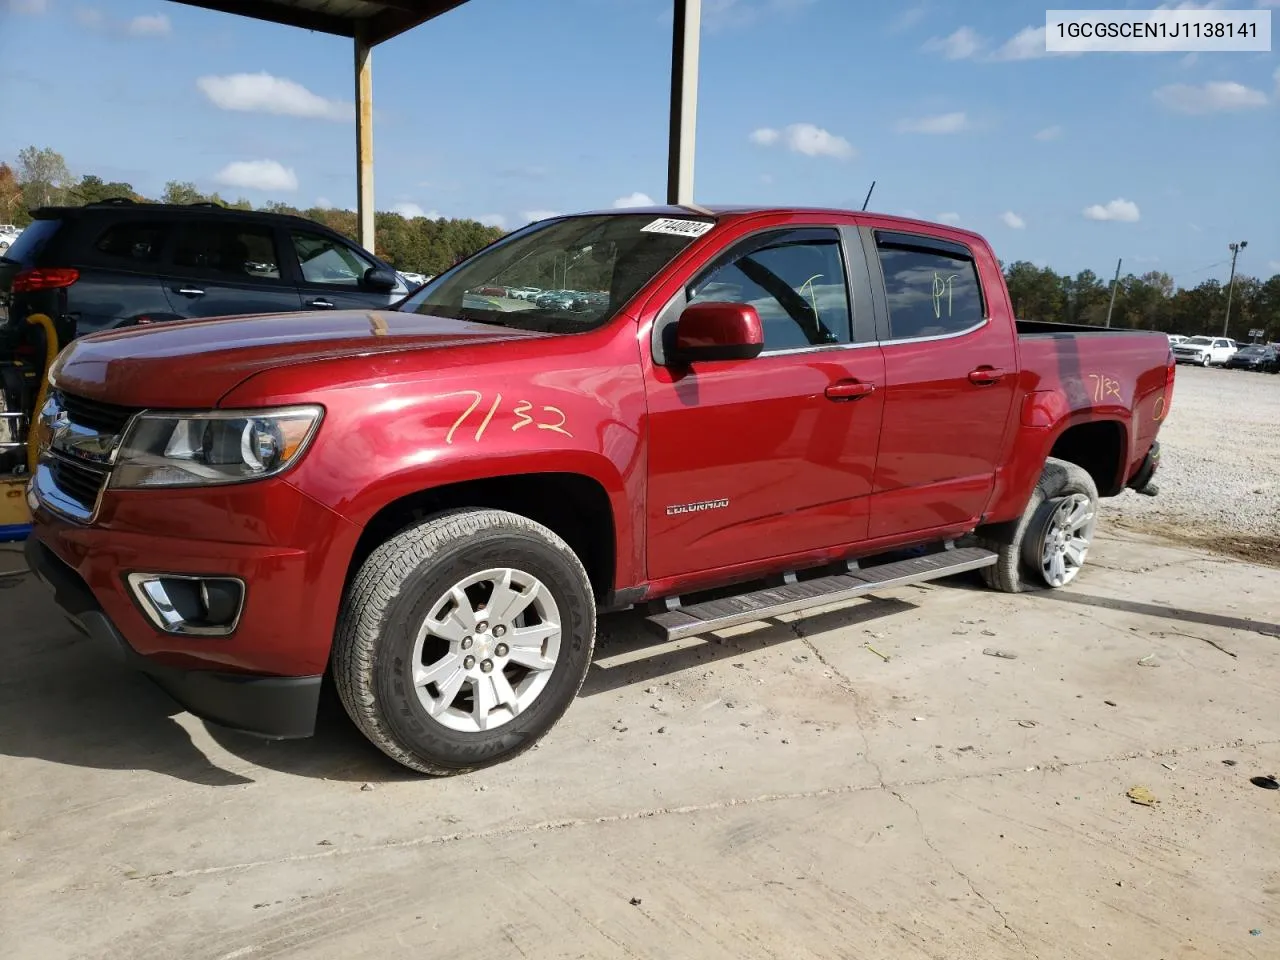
[[258, 175], [806, 139], [493, 220], [1217, 96], [814, 141], [950, 217], [1027, 44], [324, 203], [1121, 210], [150, 25], [532, 216], [1049, 133], [410, 211], [942, 123], [263, 93], [961, 45], [908, 19], [1012, 220], [636, 199], [32, 7]]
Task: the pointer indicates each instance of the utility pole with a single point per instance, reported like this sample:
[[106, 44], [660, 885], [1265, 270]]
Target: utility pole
[[1235, 249], [1114, 283]]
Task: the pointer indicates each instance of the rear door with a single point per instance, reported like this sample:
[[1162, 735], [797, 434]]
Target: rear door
[[951, 362], [119, 264], [225, 266], [773, 456], [331, 273]]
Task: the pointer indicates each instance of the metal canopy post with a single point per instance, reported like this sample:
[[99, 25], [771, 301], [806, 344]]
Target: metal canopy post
[[364, 137], [685, 37]]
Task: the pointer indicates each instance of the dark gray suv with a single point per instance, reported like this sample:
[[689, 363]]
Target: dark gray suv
[[120, 263]]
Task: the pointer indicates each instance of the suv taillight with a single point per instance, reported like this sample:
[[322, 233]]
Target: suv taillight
[[50, 279]]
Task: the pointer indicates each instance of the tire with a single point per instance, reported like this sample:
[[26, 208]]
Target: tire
[[1020, 543], [441, 727], [1204, 362]]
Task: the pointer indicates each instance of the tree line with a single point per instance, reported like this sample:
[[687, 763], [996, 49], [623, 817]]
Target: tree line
[[1148, 302], [1151, 301], [418, 245]]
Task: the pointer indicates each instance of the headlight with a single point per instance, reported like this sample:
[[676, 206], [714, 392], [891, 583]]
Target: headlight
[[195, 450]]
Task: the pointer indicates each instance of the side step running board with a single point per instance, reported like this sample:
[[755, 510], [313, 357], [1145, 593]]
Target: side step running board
[[711, 615]]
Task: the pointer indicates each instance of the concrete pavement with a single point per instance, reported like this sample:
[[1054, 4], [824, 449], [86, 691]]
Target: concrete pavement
[[778, 791]]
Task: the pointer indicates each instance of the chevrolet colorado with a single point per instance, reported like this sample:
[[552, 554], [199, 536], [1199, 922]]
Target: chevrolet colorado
[[433, 503]]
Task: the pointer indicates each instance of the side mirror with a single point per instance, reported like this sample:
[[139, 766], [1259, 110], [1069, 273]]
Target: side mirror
[[380, 279], [717, 331]]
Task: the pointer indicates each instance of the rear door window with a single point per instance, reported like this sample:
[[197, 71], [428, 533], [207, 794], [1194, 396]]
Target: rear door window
[[133, 242], [227, 251], [931, 287]]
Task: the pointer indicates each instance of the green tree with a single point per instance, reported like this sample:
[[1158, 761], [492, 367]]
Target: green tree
[[93, 189], [181, 191], [11, 208], [43, 173]]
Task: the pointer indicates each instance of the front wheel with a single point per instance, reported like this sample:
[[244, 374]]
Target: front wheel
[[1204, 361], [1047, 546], [464, 639]]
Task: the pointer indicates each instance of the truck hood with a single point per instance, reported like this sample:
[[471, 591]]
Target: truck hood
[[193, 363]]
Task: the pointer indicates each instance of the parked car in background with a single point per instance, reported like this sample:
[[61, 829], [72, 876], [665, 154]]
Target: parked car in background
[[120, 263], [1176, 338], [8, 234], [1205, 351], [413, 280], [1256, 357]]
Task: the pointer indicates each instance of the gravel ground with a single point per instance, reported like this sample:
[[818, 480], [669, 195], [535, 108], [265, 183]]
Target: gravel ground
[[1219, 474]]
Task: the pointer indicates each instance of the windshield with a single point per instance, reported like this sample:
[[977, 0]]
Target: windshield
[[31, 241], [1200, 341], [1252, 351], [563, 276]]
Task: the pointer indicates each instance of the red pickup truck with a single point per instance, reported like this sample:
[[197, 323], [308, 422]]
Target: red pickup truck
[[433, 503]]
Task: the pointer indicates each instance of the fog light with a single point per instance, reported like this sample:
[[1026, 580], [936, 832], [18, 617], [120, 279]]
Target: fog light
[[192, 606]]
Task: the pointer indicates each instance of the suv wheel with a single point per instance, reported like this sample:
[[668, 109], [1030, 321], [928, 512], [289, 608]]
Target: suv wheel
[[1048, 544], [463, 640]]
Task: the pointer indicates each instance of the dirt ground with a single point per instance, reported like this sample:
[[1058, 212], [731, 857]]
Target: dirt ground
[[779, 792]]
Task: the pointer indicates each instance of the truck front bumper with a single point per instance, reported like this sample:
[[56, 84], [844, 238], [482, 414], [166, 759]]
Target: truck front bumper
[[269, 706]]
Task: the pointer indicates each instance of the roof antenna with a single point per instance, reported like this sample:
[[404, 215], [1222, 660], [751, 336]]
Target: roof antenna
[[868, 199]]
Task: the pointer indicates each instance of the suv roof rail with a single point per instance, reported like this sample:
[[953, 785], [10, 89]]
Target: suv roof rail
[[206, 203], [113, 202]]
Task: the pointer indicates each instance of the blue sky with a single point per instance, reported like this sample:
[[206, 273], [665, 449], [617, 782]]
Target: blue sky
[[503, 109]]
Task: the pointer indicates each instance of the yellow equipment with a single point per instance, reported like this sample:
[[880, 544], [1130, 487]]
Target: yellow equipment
[[15, 519]]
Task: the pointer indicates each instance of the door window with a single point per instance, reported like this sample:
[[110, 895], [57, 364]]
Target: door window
[[329, 261], [931, 292], [794, 279], [138, 241], [228, 251]]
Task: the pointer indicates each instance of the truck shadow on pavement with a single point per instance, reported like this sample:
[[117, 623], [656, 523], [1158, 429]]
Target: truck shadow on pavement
[[62, 702], [1160, 610]]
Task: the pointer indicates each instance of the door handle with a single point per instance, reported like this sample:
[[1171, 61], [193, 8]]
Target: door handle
[[191, 291], [849, 390], [320, 303], [986, 375]]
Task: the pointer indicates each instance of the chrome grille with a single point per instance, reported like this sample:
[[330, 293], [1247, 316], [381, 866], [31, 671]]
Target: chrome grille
[[78, 440], [106, 418]]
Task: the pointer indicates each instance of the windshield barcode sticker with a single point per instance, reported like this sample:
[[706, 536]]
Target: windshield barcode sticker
[[678, 228]]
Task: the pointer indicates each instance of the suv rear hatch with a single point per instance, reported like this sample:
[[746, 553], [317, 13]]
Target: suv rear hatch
[[30, 283]]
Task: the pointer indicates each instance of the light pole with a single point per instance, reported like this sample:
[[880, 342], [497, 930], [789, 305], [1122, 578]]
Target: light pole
[[1235, 249]]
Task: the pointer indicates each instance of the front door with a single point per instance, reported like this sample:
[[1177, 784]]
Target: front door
[[951, 372], [331, 275], [769, 457]]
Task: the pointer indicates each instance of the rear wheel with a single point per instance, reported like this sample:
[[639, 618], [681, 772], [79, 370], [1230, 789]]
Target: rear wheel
[[463, 640], [1047, 546]]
